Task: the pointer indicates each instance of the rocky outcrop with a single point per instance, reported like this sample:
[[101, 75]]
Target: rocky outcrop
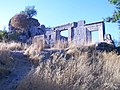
[[33, 22], [107, 45], [103, 46], [25, 30], [108, 39]]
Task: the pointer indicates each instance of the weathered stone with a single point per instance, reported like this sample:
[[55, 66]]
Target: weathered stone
[[33, 29], [108, 39], [68, 56], [103, 46], [78, 32], [33, 22]]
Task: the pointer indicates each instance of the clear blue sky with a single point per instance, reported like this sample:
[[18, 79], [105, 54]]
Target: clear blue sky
[[57, 12]]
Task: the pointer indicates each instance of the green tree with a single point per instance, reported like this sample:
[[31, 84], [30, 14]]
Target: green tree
[[2, 35], [30, 11], [116, 15]]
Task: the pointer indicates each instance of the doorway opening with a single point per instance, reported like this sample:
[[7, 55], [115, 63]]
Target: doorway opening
[[64, 35], [95, 36]]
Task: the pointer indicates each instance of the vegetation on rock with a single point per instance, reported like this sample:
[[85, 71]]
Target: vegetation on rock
[[30, 11]]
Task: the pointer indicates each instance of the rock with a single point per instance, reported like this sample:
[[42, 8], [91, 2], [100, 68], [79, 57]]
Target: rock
[[33, 22], [103, 46], [68, 56], [19, 21], [32, 28], [108, 39], [107, 45]]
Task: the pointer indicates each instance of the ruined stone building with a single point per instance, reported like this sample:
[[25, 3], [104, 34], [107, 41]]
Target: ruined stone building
[[78, 32]]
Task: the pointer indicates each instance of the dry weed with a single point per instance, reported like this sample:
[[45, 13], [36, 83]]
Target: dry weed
[[33, 51], [76, 69], [60, 45]]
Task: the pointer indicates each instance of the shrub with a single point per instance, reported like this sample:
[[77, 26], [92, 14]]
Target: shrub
[[2, 33]]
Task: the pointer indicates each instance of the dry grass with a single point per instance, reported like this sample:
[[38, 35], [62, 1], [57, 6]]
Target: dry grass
[[6, 59], [60, 45], [33, 51], [76, 69], [13, 45], [5, 51]]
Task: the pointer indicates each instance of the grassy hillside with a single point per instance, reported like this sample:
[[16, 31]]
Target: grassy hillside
[[74, 69]]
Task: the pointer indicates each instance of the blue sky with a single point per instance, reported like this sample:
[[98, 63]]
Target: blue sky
[[57, 12]]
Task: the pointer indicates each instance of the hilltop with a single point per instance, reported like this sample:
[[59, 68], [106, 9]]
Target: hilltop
[[28, 68]]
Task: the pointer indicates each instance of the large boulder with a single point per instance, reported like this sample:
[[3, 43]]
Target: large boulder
[[26, 27], [103, 46], [19, 21], [33, 22], [22, 21], [108, 39], [107, 45]]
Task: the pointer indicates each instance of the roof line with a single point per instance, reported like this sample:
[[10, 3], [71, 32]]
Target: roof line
[[94, 23]]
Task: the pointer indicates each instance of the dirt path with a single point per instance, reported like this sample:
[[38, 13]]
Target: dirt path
[[21, 68]]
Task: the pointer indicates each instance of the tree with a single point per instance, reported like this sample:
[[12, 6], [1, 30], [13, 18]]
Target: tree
[[116, 15], [30, 11]]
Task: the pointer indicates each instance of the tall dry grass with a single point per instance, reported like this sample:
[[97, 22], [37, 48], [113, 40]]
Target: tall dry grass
[[34, 49], [60, 45], [6, 58], [75, 69], [5, 55], [13, 45]]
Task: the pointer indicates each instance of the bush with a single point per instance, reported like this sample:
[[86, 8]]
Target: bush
[[2, 34]]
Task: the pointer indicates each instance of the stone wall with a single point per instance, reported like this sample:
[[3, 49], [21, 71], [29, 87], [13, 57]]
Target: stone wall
[[78, 32]]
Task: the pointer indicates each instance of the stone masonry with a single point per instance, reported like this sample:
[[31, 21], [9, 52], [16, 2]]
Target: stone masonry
[[78, 32]]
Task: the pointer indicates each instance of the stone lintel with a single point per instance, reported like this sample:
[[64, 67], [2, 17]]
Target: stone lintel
[[94, 26]]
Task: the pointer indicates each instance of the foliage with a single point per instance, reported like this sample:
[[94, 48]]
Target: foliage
[[2, 34], [13, 36], [30, 11], [116, 15]]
